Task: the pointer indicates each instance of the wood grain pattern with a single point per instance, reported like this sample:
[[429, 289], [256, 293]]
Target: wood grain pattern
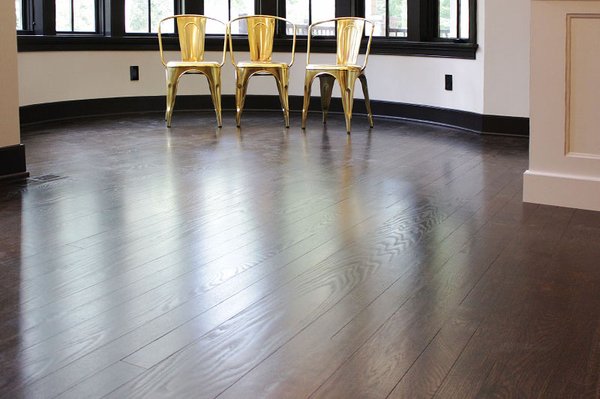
[[140, 261]]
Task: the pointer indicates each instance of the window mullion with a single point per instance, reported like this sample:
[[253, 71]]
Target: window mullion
[[421, 17], [114, 18], [26, 15], [387, 18], [44, 17], [281, 11], [149, 16], [414, 20], [349, 8], [270, 7], [458, 19], [99, 17], [72, 15], [194, 7], [472, 20]]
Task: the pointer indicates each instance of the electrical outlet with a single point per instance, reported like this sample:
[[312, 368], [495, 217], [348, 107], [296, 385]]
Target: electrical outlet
[[449, 85], [134, 72]]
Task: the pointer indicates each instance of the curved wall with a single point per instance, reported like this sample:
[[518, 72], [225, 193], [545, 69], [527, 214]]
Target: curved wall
[[84, 75], [496, 83]]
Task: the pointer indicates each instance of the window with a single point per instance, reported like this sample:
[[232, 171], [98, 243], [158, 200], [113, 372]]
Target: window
[[224, 10], [143, 16], [389, 16], [453, 19], [76, 16], [19, 10], [303, 13], [408, 27]]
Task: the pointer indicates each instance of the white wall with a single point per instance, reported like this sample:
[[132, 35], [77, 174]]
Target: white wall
[[101, 74], [9, 101], [506, 61], [479, 87]]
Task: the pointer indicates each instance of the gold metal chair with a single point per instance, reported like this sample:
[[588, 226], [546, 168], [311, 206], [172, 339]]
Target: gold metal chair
[[261, 31], [349, 34], [192, 31]]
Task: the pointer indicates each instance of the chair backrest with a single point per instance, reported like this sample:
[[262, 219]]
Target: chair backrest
[[349, 34], [261, 35], [191, 31], [261, 32]]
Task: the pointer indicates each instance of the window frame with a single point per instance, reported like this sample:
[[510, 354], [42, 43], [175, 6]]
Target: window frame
[[177, 6], [387, 23], [98, 20], [26, 17], [422, 37], [472, 23], [282, 6], [256, 8]]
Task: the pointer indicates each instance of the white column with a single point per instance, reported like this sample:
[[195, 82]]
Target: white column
[[564, 164]]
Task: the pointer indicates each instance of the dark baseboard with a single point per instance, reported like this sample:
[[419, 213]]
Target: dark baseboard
[[509, 125], [12, 162], [483, 124]]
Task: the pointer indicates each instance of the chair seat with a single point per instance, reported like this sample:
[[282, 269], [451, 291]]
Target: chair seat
[[261, 64], [331, 67], [349, 32], [191, 64], [191, 35]]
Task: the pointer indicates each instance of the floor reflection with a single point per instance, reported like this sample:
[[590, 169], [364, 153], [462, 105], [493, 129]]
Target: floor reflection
[[11, 255], [159, 251]]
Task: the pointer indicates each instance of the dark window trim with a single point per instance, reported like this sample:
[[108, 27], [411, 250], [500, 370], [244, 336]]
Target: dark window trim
[[141, 42], [472, 23], [26, 18], [112, 36]]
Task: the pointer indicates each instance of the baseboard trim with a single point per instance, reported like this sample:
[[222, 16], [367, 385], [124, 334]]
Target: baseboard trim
[[478, 123], [12, 162], [557, 189]]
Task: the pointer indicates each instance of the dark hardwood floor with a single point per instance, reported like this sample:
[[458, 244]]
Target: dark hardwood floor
[[192, 262]]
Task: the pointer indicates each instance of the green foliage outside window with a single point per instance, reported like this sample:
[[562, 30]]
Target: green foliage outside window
[[78, 16], [19, 10], [444, 18], [136, 15]]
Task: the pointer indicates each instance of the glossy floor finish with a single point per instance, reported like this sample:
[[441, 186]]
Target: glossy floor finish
[[143, 262]]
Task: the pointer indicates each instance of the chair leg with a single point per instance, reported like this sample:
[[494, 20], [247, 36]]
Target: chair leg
[[365, 88], [241, 86], [167, 95], [347, 80], [308, 80], [214, 83], [282, 78], [326, 82], [172, 79]]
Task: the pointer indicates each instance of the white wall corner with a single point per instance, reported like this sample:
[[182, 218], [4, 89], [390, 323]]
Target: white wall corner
[[506, 67]]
